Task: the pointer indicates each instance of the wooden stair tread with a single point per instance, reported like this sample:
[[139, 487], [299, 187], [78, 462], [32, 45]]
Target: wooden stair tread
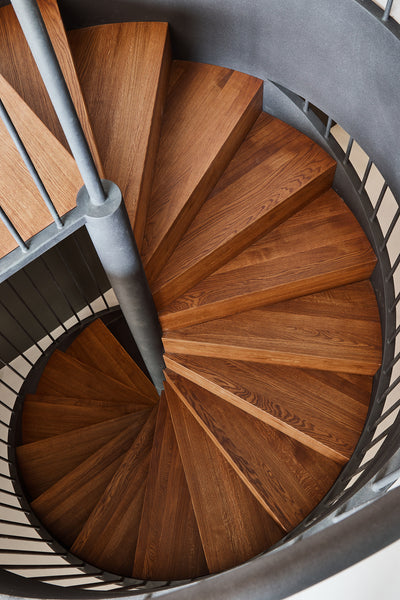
[[42, 420], [169, 545], [232, 523], [55, 28], [20, 199], [320, 247], [95, 404], [114, 522], [319, 414], [209, 110], [278, 471], [19, 69], [65, 507], [43, 463], [334, 330], [66, 376], [274, 173], [97, 347], [123, 70]]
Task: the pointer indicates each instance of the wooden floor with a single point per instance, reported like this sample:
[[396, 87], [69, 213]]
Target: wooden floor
[[260, 274]]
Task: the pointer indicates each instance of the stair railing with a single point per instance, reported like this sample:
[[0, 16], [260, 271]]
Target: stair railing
[[100, 203]]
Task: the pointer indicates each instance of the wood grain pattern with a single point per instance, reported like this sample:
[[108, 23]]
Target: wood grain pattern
[[43, 463], [55, 28], [19, 196], [334, 330], [208, 113], [67, 376], [168, 545], [95, 404], [233, 525], [97, 347], [19, 69], [123, 70], [65, 507], [277, 470], [114, 522], [323, 414], [275, 172], [42, 420], [320, 247]]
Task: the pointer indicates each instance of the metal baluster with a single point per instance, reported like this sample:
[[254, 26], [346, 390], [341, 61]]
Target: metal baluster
[[379, 201], [78, 287], [13, 231], [20, 298], [328, 127], [83, 257], [387, 10], [36, 288], [365, 177], [60, 289], [390, 230]]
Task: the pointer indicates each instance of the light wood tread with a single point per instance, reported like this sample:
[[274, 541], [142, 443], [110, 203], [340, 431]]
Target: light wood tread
[[275, 171], [55, 28], [208, 112], [19, 196], [325, 414], [123, 71], [334, 330], [169, 545], [320, 247], [65, 506], [44, 462], [67, 376], [232, 523], [97, 347], [114, 522]]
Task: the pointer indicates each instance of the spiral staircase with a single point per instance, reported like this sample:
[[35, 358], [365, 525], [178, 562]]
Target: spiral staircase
[[260, 275]]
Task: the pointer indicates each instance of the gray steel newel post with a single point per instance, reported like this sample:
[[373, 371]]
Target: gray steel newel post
[[109, 228]]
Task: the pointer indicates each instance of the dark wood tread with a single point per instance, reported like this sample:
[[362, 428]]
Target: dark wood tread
[[274, 173], [334, 330], [208, 112], [320, 247]]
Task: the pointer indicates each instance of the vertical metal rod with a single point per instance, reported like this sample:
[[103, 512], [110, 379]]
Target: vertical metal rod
[[78, 287], [112, 237], [60, 289], [348, 150], [393, 269], [306, 106], [390, 230], [38, 39], [28, 335], [83, 257], [36, 288], [328, 127], [388, 8], [15, 371], [29, 164], [13, 231], [365, 176], [379, 201], [395, 303], [20, 298]]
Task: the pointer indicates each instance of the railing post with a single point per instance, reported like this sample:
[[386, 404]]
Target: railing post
[[106, 218], [109, 228]]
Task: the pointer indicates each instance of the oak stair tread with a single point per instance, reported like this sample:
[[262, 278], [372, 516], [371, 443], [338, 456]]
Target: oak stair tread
[[279, 471], [320, 247], [67, 376], [65, 507], [92, 403], [42, 420], [55, 28], [334, 330], [114, 522], [169, 545], [324, 415], [123, 71], [232, 523], [274, 173], [20, 198], [44, 462], [96, 347], [208, 112]]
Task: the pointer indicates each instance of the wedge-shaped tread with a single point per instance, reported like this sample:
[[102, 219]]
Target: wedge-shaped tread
[[43, 463], [97, 347], [324, 415], [169, 545], [65, 507], [277, 470], [320, 247], [55, 28], [67, 376], [42, 420], [123, 70], [275, 171], [334, 330], [20, 199], [232, 523], [109, 536], [208, 113], [124, 408]]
